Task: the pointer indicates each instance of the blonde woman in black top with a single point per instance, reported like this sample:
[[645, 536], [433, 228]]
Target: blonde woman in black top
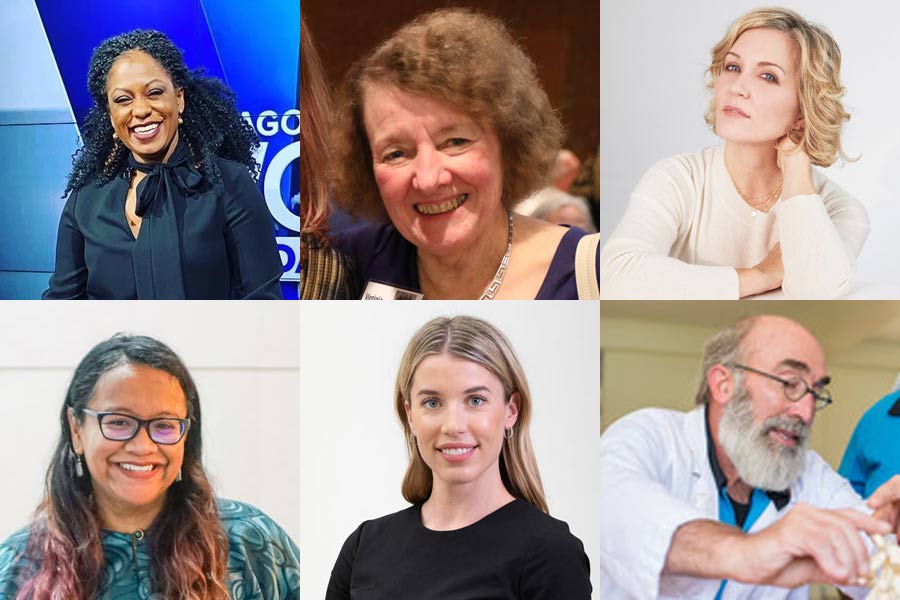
[[478, 525]]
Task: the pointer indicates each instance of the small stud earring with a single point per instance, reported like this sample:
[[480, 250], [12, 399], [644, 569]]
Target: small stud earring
[[115, 137]]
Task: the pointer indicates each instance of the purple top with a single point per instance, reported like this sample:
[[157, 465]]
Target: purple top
[[383, 255]]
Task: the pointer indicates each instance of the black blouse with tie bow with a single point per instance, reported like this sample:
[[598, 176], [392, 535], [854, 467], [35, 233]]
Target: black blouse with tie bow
[[198, 240]]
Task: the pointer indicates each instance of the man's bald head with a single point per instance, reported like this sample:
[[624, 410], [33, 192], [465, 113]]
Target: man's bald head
[[750, 338]]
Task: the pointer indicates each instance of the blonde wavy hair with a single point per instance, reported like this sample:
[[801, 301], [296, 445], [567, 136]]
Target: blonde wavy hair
[[480, 342], [818, 80]]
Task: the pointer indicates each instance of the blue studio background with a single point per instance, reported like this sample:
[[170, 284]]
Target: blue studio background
[[46, 47]]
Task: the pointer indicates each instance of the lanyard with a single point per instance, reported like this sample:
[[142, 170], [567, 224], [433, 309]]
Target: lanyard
[[758, 503]]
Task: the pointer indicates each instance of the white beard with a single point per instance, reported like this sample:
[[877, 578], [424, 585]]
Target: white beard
[[759, 461]]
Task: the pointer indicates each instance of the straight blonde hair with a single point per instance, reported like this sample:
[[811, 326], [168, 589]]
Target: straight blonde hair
[[480, 342]]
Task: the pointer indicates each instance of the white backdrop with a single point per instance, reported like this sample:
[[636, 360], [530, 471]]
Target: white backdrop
[[242, 356], [353, 454], [653, 56]]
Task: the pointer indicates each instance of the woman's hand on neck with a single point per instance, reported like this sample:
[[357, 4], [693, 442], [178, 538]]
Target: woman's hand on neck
[[796, 167], [464, 274]]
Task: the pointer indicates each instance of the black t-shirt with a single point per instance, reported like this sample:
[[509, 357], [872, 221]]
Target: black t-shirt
[[516, 553]]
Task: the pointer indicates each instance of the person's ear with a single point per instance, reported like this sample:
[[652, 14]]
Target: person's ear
[[75, 432], [720, 381], [512, 409], [409, 418]]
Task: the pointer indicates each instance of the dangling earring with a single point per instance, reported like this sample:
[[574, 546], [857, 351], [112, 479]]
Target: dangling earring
[[180, 120], [179, 475], [115, 136], [508, 433], [79, 466]]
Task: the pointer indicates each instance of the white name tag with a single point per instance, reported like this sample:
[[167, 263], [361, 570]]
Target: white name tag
[[382, 291]]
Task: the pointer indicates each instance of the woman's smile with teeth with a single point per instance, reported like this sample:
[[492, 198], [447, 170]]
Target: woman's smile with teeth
[[131, 467], [446, 206], [146, 128], [456, 451]]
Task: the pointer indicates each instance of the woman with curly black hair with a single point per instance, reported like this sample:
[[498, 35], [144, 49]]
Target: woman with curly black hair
[[164, 202]]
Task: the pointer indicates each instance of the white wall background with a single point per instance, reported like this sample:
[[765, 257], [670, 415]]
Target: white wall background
[[652, 97], [353, 454], [244, 360]]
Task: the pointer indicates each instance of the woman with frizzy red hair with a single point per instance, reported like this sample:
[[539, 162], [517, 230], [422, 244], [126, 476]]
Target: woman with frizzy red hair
[[753, 215], [438, 133], [128, 510], [479, 525], [327, 274]]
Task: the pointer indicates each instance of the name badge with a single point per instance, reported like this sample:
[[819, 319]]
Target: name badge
[[383, 291]]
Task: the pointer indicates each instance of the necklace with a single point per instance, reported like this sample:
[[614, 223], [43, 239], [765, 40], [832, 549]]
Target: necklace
[[494, 286], [770, 196]]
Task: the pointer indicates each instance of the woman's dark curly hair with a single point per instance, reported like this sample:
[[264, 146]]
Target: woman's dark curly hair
[[212, 125]]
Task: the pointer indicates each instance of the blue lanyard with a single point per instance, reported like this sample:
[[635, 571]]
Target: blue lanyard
[[758, 503]]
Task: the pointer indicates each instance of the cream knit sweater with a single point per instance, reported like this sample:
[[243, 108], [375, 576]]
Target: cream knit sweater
[[686, 230]]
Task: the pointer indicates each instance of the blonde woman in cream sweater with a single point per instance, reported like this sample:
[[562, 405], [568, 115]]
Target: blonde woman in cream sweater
[[750, 216]]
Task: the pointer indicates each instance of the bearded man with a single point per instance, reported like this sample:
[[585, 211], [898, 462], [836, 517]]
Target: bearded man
[[726, 501]]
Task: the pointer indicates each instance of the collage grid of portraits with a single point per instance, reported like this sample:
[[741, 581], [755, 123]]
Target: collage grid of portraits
[[730, 431]]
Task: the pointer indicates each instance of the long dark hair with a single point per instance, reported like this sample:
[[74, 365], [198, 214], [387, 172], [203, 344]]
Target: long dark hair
[[212, 125], [188, 549]]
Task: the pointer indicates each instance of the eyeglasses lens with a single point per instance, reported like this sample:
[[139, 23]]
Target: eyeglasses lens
[[117, 427], [796, 389], [165, 431]]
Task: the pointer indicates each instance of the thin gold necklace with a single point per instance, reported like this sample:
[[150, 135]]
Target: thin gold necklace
[[773, 195]]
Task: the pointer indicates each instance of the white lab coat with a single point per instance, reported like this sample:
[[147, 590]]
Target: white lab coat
[[655, 476]]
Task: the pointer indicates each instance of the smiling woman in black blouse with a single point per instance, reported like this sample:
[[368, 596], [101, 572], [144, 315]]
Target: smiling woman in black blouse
[[479, 525], [163, 201]]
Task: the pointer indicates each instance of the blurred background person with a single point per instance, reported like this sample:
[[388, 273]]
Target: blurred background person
[[873, 452], [556, 206], [327, 274]]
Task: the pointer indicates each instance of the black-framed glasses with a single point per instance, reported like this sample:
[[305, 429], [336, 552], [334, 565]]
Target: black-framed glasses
[[795, 388], [121, 428]]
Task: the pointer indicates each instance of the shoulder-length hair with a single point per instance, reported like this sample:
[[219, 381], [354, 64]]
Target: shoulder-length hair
[[212, 126], [469, 61], [314, 208], [818, 79], [480, 342], [188, 548]]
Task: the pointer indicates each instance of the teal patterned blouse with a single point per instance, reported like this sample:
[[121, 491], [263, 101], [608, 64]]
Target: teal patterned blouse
[[263, 562]]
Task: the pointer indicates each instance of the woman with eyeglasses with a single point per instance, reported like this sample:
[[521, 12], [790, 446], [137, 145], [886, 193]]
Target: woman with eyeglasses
[[479, 525], [128, 511]]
